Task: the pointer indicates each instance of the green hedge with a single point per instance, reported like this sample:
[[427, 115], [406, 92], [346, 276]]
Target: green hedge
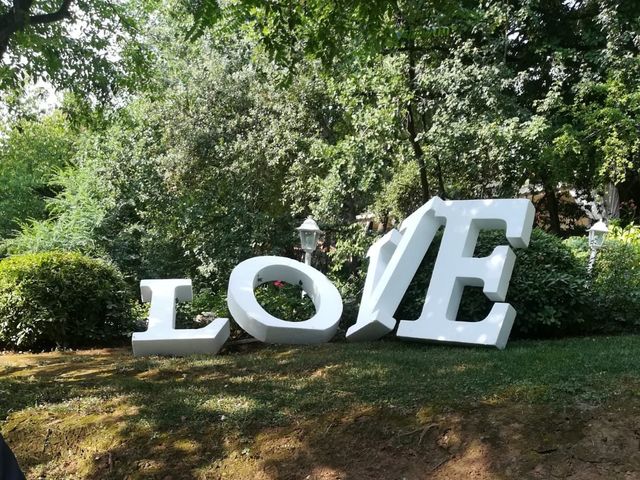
[[616, 284], [57, 299], [615, 281], [549, 289]]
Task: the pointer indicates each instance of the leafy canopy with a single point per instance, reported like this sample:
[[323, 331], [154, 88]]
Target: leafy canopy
[[85, 46]]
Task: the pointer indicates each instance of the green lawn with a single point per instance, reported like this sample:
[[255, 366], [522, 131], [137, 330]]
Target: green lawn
[[323, 411]]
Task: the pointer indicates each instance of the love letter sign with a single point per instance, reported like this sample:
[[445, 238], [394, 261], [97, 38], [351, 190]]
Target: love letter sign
[[393, 262]]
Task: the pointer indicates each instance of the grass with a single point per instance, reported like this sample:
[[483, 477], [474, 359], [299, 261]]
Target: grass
[[99, 414]]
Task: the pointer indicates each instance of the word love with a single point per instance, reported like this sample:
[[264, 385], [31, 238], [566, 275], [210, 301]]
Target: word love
[[393, 262]]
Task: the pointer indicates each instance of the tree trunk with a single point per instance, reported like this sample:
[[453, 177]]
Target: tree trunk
[[419, 153], [551, 201], [412, 129], [443, 191], [12, 21]]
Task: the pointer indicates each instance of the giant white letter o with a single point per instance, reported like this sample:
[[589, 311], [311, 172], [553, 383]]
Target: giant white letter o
[[256, 321]]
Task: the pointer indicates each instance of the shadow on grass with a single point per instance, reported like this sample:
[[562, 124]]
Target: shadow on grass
[[383, 410]]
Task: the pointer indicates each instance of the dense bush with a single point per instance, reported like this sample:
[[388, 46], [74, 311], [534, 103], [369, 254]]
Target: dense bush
[[549, 289], [348, 269], [616, 284], [60, 299], [615, 280], [206, 304]]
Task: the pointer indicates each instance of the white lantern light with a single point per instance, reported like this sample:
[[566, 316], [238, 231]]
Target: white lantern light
[[597, 234], [309, 236]]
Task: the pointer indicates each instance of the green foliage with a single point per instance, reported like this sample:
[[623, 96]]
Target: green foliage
[[348, 267], [103, 195], [400, 195], [31, 150], [280, 299], [229, 166], [615, 280], [204, 301], [195, 181], [60, 299], [549, 289], [75, 213], [489, 95], [330, 30], [628, 234], [474, 138], [285, 301], [96, 50], [369, 144]]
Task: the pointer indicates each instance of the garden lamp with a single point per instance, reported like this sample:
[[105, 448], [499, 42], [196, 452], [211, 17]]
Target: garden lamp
[[309, 236], [597, 234]]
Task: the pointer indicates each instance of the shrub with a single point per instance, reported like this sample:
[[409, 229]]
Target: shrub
[[628, 234], [280, 299], [348, 269], [57, 299], [285, 301], [205, 301], [615, 280], [616, 284], [550, 289]]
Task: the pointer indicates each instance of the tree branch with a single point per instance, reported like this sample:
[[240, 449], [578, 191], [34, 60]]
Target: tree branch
[[18, 18], [61, 14]]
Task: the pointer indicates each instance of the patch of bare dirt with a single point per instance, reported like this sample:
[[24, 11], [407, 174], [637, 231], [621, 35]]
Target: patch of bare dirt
[[487, 443]]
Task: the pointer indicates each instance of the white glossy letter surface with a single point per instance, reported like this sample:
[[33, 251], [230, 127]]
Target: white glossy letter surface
[[394, 260], [249, 314], [456, 268], [161, 337]]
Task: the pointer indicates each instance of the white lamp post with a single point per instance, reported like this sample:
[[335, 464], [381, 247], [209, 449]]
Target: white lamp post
[[309, 236], [597, 234]]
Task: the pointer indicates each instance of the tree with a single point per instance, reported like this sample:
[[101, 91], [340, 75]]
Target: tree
[[563, 55], [85, 46], [194, 178], [19, 16], [516, 72], [361, 31]]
